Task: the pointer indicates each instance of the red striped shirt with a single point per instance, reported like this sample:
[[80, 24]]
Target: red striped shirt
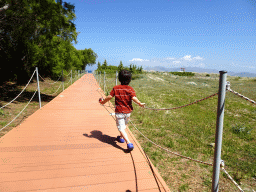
[[123, 98]]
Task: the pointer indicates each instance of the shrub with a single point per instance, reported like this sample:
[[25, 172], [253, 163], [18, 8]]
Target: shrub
[[183, 73]]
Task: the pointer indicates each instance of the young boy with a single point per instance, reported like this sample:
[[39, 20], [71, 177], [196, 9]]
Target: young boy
[[124, 94]]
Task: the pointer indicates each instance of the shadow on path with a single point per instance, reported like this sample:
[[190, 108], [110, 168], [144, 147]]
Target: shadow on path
[[105, 139]]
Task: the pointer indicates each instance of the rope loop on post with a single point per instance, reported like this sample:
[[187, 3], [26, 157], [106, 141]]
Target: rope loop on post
[[20, 92]]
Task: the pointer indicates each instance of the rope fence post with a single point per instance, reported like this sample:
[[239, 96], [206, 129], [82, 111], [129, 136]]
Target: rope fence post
[[104, 81], [219, 130], [116, 77], [62, 81], [38, 87], [100, 77]]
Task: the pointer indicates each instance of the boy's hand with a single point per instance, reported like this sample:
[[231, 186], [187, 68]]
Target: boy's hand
[[142, 104], [101, 100]]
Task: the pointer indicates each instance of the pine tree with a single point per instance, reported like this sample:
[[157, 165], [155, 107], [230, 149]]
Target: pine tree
[[104, 66], [99, 66], [130, 67], [120, 66]]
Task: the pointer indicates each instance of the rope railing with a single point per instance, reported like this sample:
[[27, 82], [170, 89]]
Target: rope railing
[[186, 104], [30, 99], [50, 83], [55, 91], [238, 94], [177, 154], [20, 92], [189, 158], [20, 112]]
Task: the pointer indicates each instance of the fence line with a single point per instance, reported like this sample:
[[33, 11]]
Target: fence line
[[29, 101], [20, 112], [222, 162], [49, 83], [238, 94], [20, 92]]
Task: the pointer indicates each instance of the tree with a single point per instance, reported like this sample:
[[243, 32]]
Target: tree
[[120, 66], [99, 66], [140, 69], [31, 24], [88, 57], [104, 65]]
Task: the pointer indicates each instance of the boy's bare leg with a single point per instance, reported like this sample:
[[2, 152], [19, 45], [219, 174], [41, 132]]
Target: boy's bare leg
[[124, 135]]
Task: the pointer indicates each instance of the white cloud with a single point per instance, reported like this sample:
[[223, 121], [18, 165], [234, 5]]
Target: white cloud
[[170, 58], [187, 57], [198, 58], [138, 59], [176, 62]]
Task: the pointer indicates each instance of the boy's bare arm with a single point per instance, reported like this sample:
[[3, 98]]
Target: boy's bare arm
[[108, 98], [135, 99]]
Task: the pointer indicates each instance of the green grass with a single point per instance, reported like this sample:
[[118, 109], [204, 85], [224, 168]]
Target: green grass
[[191, 129]]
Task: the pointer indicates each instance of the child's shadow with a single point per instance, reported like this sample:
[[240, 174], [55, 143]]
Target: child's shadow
[[105, 139]]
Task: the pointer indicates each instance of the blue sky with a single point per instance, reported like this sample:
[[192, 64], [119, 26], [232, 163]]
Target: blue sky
[[212, 34]]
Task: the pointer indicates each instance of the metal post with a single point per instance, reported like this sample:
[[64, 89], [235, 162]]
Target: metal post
[[38, 87], [219, 130], [62, 81], [116, 77], [104, 81], [71, 76], [100, 76]]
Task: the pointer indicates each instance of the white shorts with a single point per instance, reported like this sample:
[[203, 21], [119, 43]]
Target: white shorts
[[122, 120]]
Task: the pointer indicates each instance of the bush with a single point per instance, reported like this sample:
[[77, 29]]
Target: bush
[[183, 73]]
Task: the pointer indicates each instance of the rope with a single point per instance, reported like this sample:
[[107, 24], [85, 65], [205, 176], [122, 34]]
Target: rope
[[69, 73], [240, 95], [171, 151], [69, 80], [167, 149], [20, 92], [55, 91], [50, 83], [186, 104], [222, 162], [223, 169], [20, 112]]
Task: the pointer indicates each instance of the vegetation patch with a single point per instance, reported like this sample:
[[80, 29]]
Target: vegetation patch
[[183, 73]]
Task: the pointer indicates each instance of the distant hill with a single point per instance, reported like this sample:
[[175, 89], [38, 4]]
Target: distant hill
[[198, 70]]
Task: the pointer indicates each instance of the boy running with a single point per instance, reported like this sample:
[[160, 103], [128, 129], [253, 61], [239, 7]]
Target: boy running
[[124, 94]]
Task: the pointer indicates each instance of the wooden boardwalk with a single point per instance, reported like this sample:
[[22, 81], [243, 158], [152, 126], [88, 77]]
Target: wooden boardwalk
[[69, 145]]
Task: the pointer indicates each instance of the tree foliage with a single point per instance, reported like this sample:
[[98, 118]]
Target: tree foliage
[[39, 34], [112, 69]]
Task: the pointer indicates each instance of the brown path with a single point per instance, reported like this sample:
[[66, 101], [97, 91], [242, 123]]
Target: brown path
[[69, 145]]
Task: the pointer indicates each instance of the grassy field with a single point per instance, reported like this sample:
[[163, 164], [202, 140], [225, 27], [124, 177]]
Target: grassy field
[[190, 131]]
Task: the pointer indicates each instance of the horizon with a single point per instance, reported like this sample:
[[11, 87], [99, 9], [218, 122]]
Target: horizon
[[209, 34]]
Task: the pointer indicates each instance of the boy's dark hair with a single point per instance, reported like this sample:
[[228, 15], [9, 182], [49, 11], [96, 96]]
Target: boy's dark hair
[[125, 77]]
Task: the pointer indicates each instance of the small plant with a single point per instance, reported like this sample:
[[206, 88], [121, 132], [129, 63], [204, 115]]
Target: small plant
[[207, 75], [241, 129], [238, 176], [183, 187], [1, 112]]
